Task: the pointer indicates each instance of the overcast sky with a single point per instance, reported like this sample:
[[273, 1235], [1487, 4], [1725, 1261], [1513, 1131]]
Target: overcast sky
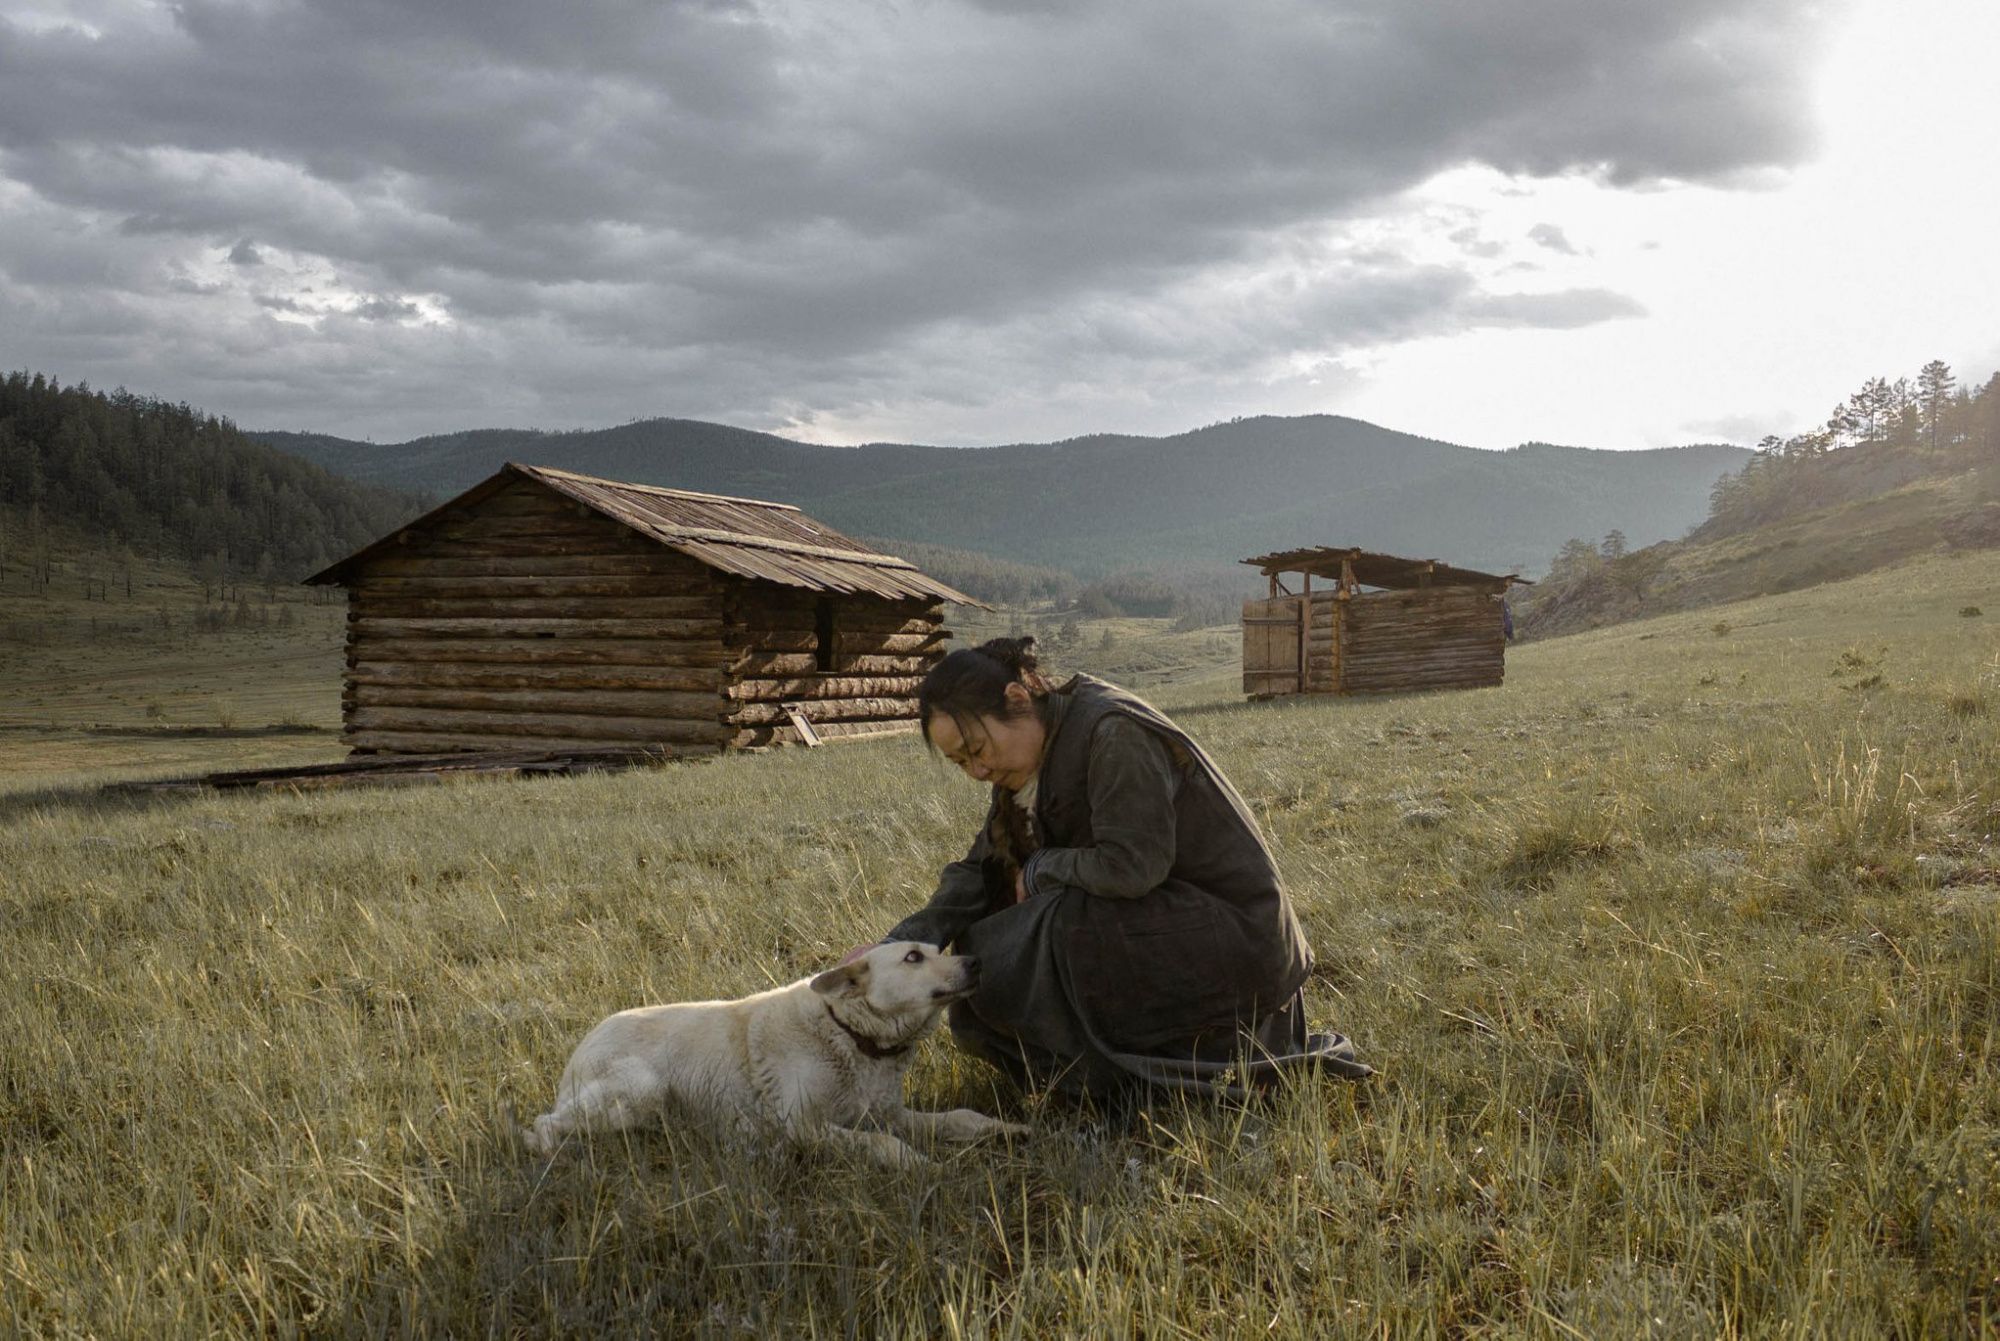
[[1613, 223]]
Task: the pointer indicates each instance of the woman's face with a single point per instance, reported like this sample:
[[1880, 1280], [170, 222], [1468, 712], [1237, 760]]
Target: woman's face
[[1004, 751]]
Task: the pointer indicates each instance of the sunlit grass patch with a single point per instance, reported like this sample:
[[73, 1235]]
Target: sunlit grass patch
[[1540, 847]]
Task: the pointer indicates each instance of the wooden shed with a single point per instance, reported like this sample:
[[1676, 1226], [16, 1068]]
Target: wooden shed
[[1376, 624], [545, 610]]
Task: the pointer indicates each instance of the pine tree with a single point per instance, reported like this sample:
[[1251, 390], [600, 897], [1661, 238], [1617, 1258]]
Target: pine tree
[[1934, 384]]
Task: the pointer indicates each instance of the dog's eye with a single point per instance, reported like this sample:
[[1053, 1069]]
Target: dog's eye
[[914, 957]]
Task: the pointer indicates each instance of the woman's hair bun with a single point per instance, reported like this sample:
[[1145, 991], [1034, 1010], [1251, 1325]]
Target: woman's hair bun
[[1016, 654]]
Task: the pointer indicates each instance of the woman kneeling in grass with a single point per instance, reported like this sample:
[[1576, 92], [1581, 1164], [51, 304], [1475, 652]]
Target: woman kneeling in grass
[[1128, 919]]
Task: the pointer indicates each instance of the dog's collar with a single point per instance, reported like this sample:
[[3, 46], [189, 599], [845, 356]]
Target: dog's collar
[[869, 1047]]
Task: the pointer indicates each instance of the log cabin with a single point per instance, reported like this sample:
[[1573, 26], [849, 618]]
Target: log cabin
[[546, 610], [1376, 624]]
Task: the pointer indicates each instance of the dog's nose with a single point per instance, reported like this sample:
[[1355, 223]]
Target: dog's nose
[[971, 963]]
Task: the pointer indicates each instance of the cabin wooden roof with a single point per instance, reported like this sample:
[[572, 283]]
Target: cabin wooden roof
[[750, 537], [1370, 569]]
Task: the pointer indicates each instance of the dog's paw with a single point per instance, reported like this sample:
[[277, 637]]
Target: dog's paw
[[544, 1138], [513, 1132]]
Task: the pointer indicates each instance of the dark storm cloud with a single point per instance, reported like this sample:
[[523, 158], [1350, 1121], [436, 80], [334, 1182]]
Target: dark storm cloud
[[779, 209]]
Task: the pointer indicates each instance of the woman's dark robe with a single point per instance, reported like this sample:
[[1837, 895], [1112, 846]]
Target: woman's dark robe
[[1156, 941]]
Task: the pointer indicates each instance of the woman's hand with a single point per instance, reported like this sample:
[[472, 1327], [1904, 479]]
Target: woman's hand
[[1020, 886]]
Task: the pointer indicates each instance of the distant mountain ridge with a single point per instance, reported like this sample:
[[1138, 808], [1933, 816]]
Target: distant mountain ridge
[[1200, 500]]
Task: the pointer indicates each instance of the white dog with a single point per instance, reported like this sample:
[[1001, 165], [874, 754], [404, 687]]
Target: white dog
[[820, 1061]]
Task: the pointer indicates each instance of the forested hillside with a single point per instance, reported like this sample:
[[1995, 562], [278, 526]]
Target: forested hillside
[[1183, 508], [1898, 469], [166, 481]]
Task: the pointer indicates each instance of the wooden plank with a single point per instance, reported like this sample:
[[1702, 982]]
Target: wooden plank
[[753, 640], [366, 627], [763, 737], [761, 664], [1409, 649], [703, 534], [825, 686], [1302, 635], [1372, 656], [614, 543], [487, 523], [527, 500], [1273, 636], [889, 644], [845, 645], [842, 626], [445, 675], [1415, 667], [824, 710], [1420, 639], [528, 725], [797, 717], [445, 742], [512, 586], [659, 562], [683, 652], [590, 702], [369, 605], [769, 601]]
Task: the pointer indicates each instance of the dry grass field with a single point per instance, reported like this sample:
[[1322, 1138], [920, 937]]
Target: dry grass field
[[101, 677], [1680, 955]]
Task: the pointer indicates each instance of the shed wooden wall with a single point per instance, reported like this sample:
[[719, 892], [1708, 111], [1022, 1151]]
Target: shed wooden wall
[[1323, 642], [881, 651], [1434, 638], [1373, 642]]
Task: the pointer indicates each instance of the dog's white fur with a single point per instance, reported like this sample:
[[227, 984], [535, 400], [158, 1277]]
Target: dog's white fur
[[819, 1061]]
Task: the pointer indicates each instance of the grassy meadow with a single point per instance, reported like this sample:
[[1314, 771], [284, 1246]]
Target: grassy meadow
[[119, 666], [1679, 953]]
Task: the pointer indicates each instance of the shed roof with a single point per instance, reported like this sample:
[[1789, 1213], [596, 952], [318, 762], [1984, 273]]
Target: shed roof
[[1378, 570], [750, 537]]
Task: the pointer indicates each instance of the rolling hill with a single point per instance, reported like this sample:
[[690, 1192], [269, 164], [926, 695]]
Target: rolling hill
[[1809, 521], [1193, 502]]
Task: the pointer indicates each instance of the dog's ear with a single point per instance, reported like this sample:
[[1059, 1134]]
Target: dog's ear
[[843, 981]]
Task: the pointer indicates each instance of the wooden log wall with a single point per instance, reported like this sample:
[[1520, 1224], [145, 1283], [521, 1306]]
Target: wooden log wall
[[1322, 668], [526, 621], [1439, 638], [880, 652]]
